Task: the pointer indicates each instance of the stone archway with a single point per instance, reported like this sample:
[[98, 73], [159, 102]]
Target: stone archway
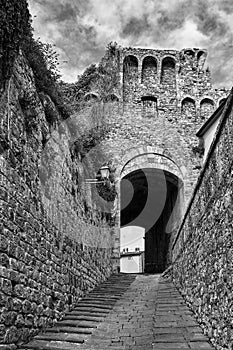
[[156, 203]]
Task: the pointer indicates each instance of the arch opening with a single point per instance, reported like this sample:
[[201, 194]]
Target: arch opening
[[190, 53], [206, 108], [132, 249], [91, 96], [168, 73], [201, 57], [130, 76], [188, 107], [130, 68], [111, 98], [150, 200], [149, 106], [149, 70]]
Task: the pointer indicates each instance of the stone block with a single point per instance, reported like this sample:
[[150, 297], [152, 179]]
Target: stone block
[[6, 286], [12, 335], [4, 260]]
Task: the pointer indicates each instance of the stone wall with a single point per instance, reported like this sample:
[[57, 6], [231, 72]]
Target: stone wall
[[168, 75], [166, 95], [203, 250], [164, 98], [53, 246]]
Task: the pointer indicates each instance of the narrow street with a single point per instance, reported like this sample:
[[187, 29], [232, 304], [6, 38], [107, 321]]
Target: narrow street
[[131, 312]]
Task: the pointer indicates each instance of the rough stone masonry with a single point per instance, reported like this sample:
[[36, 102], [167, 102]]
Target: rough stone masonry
[[164, 96], [53, 248]]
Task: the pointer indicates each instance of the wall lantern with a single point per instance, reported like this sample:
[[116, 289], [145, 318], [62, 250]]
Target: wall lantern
[[102, 176], [105, 183]]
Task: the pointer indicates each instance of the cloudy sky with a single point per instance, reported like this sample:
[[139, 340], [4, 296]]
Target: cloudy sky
[[81, 29]]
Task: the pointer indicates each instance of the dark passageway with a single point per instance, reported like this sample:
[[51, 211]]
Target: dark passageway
[[148, 197]]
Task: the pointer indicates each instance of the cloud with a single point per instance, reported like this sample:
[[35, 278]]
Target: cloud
[[135, 26], [82, 29], [187, 35]]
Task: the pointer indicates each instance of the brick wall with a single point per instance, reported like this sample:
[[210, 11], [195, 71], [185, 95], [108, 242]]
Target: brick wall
[[53, 246], [202, 254]]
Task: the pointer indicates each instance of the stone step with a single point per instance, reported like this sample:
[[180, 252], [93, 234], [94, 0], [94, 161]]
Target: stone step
[[83, 318], [50, 345], [101, 297], [68, 337], [172, 307], [80, 324], [189, 331], [112, 291], [88, 313], [76, 330], [91, 309], [103, 301], [110, 296], [174, 324], [97, 306], [168, 312]]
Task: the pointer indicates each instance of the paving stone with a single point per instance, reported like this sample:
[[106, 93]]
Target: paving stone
[[200, 345], [142, 318], [170, 346], [169, 338]]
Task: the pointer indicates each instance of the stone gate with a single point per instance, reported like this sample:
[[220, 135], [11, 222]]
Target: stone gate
[[163, 98]]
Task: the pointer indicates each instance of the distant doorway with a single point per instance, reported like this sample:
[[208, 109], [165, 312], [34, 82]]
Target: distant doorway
[[132, 249]]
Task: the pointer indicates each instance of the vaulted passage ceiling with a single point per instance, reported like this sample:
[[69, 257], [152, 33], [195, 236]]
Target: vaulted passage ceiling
[[144, 194]]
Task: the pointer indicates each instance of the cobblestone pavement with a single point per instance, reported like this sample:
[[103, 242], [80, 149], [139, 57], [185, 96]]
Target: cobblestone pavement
[[130, 312]]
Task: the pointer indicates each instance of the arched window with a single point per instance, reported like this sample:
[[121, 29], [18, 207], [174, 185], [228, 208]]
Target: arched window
[[168, 74], [111, 98], [130, 68], [206, 107], [221, 101], [149, 106], [190, 53], [91, 97], [149, 69], [201, 57], [188, 107]]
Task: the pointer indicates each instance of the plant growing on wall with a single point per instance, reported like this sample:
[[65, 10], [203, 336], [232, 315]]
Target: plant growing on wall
[[103, 78], [199, 150], [16, 33], [15, 27], [106, 188], [44, 62]]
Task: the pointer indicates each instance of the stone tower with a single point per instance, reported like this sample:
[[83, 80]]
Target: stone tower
[[172, 83]]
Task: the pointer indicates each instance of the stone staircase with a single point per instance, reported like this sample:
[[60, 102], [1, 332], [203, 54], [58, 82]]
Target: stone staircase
[[78, 324], [127, 312]]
